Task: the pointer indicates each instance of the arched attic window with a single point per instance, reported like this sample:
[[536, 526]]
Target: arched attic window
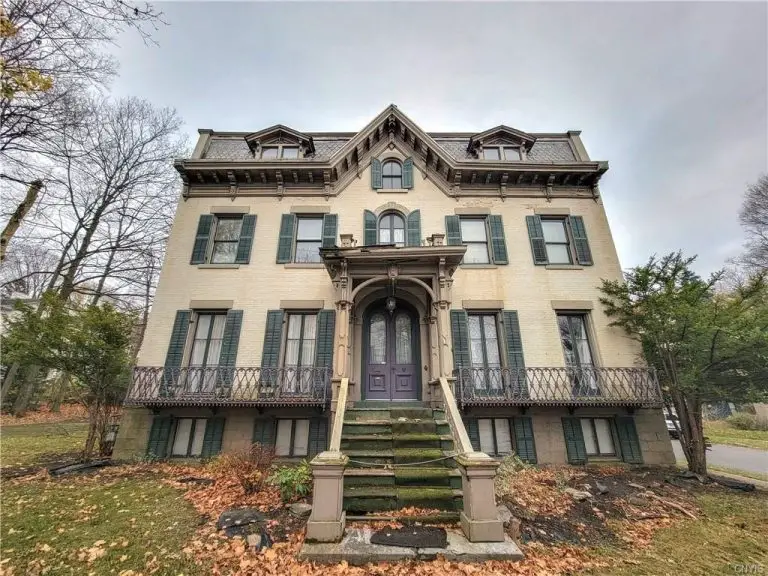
[[391, 229], [391, 175]]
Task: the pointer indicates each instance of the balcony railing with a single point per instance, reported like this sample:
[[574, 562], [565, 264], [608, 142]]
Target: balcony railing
[[569, 386], [226, 386]]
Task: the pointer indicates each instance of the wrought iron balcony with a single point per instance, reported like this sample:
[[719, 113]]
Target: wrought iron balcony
[[227, 386], [569, 386]]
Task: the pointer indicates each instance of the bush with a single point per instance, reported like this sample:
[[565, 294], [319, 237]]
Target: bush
[[250, 466], [294, 481], [744, 421], [510, 466]]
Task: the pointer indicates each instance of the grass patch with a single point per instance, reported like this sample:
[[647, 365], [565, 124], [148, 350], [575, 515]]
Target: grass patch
[[27, 444], [96, 525], [729, 536], [746, 473], [720, 432]]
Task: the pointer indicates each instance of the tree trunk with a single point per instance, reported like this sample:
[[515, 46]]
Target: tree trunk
[[68, 284], [59, 391], [18, 216], [10, 378], [93, 425], [26, 392]]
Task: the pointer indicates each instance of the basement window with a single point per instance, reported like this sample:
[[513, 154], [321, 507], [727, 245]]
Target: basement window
[[188, 439], [292, 438]]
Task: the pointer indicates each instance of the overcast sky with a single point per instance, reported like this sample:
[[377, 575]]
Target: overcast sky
[[674, 96]]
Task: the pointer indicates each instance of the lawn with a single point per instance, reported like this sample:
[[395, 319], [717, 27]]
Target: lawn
[[27, 444], [95, 525], [729, 539], [720, 432]]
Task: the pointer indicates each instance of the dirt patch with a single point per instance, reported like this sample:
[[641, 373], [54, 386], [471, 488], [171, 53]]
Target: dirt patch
[[620, 500]]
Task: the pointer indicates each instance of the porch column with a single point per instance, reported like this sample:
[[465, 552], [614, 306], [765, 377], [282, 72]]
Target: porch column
[[341, 337], [443, 319]]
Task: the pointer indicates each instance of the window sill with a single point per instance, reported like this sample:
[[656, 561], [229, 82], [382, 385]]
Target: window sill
[[392, 190], [304, 265], [564, 267], [479, 266], [222, 266]]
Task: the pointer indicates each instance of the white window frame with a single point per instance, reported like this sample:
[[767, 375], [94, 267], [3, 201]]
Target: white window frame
[[568, 238], [487, 243], [293, 439], [215, 228], [502, 151], [384, 177], [191, 450], [496, 424], [592, 429], [296, 241]]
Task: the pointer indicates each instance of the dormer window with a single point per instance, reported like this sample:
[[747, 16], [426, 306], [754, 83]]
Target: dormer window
[[501, 152], [285, 152]]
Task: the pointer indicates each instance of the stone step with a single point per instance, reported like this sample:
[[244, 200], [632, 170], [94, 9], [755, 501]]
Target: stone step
[[378, 457], [363, 414], [421, 440], [384, 426], [378, 404], [388, 441], [423, 456], [376, 498], [408, 476], [411, 413], [444, 517]]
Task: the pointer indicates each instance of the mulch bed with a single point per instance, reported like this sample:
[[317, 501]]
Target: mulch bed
[[594, 521]]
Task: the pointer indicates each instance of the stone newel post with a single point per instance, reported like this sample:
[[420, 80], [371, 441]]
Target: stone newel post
[[479, 519], [326, 523]]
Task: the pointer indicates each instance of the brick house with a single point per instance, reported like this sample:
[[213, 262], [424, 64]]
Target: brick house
[[455, 273]]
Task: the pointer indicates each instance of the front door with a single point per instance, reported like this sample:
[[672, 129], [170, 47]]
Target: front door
[[391, 357]]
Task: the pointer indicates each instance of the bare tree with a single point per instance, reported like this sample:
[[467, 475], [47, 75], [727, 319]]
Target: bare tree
[[754, 219], [27, 270], [50, 52]]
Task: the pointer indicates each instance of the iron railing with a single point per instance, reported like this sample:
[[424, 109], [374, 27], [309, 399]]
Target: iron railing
[[568, 386], [227, 386]]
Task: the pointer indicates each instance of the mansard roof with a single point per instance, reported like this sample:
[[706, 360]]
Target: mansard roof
[[451, 159]]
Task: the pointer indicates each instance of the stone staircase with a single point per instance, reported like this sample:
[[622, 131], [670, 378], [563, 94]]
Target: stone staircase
[[383, 441]]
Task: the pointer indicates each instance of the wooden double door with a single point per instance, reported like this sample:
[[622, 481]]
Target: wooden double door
[[391, 355]]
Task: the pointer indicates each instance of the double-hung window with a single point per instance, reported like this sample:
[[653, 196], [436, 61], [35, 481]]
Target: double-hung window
[[299, 359], [484, 351], [495, 435], [474, 234], [577, 349], [226, 238], [272, 152], [309, 239], [206, 350], [292, 438], [598, 437], [188, 437], [556, 240]]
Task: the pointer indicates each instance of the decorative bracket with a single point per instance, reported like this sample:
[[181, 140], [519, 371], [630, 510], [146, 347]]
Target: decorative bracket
[[280, 185], [327, 183], [233, 187], [548, 189]]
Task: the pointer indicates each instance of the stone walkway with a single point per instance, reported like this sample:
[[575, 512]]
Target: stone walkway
[[356, 548]]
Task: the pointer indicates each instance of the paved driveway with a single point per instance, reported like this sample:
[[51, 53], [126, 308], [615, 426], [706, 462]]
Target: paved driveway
[[731, 457]]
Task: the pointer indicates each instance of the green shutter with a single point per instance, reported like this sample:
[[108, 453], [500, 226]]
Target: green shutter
[[246, 239], [159, 434], [524, 444], [318, 436], [498, 242], [214, 432], [473, 431], [628, 441], [536, 235], [580, 242], [369, 229], [414, 228], [264, 432], [330, 228], [285, 241], [229, 343], [452, 230], [515, 359], [326, 323], [574, 441], [175, 355], [408, 173], [376, 174], [270, 354], [200, 247], [460, 337]]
